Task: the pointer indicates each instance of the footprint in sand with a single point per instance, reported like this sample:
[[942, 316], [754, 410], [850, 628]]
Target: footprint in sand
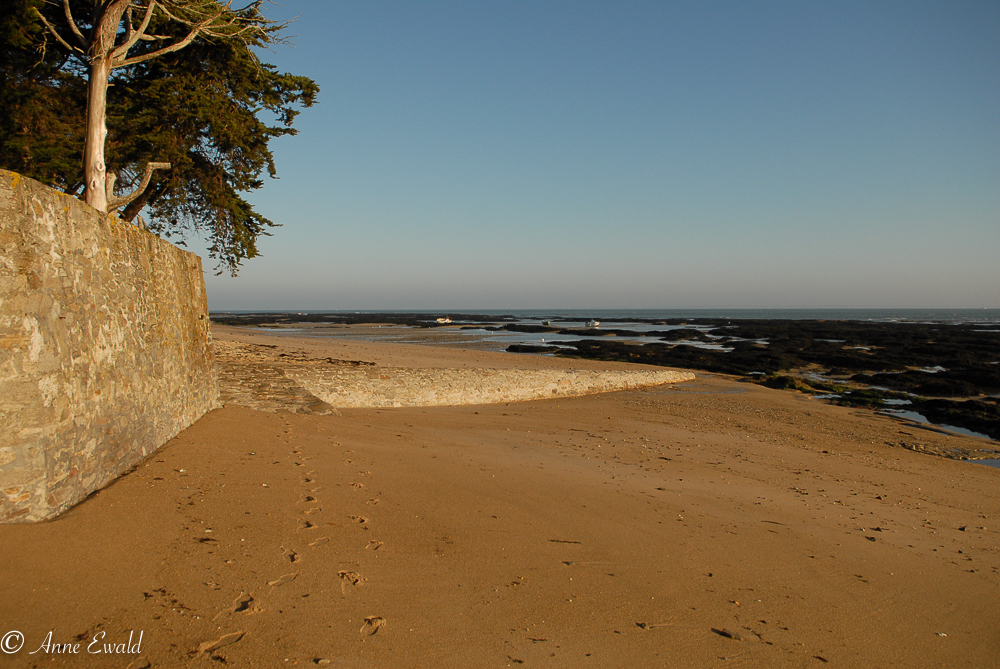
[[222, 641], [290, 554], [287, 578], [374, 545], [372, 625], [349, 578], [352, 577], [361, 520], [244, 603], [320, 541]]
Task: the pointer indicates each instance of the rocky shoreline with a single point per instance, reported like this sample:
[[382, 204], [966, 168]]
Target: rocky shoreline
[[947, 372]]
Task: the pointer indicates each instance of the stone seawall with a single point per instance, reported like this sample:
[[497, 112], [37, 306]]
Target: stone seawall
[[282, 377], [104, 348], [407, 387]]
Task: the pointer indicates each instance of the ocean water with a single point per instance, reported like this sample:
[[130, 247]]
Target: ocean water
[[611, 319], [988, 317], [920, 418]]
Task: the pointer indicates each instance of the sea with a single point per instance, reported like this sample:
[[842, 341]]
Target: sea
[[623, 319], [986, 316], [989, 316]]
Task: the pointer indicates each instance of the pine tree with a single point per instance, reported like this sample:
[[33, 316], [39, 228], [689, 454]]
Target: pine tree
[[197, 107]]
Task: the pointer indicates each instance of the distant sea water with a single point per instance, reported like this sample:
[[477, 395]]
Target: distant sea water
[[986, 316]]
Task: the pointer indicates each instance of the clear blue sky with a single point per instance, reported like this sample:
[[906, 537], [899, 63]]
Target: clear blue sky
[[531, 154]]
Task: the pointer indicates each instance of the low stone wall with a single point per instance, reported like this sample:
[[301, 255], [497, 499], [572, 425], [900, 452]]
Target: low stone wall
[[407, 387], [272, 378], [104, 348]]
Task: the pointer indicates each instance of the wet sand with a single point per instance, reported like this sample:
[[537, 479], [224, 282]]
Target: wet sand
[[709, 523]]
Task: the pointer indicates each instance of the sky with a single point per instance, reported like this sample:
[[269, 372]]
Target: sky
[[623, 155]]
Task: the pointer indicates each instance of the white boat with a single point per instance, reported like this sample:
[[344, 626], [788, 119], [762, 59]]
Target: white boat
[[444, 320], [593, 324]]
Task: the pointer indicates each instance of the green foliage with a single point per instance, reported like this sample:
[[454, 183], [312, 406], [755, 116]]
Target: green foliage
[[210, 109], [42, 102]]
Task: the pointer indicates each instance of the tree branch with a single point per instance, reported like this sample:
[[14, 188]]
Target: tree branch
[[55, 33], [81, 40], [116, 202], [210, 26], [213, 30], [129, 29], [177, 46], [134, 35]]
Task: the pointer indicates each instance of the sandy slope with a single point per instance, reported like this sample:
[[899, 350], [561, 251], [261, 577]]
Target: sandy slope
[[614, 530]]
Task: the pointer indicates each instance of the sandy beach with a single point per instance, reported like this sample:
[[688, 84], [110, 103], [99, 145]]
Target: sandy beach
[[707, 523]]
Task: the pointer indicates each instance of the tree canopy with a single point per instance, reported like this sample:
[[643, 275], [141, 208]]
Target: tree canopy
[[210, 109]]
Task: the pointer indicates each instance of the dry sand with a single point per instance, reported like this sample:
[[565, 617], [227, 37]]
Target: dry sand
[[627, 529]]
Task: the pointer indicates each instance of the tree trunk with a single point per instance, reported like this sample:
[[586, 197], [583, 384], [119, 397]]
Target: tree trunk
[[94, 169], [101, 45]]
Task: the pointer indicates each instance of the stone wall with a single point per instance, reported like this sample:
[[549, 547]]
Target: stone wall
[[104, 348], [277, 378], [407, 387]]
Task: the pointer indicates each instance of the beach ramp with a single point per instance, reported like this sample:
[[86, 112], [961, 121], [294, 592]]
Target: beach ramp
[[262, 378]]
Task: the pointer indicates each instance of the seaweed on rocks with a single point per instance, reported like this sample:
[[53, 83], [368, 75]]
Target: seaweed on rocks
[[962, 382], [926, 363], [740, 361], [863, 397], [529, 348], [524, 327], [682, 334], [782, 382], [981, 416]]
